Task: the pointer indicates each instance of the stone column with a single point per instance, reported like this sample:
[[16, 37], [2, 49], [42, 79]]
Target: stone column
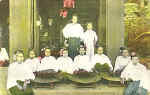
[[21, 26], [114, 27], [36, 27], [102, 23]]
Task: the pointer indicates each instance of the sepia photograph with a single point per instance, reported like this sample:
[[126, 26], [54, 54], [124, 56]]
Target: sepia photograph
[[74, 47]]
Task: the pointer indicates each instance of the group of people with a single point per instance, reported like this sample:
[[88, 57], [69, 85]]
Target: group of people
[[130, 69], [74, 58], [21, 71], [74, 34]]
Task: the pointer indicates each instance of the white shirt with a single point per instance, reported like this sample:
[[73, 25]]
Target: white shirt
[[83, 62], [121, 62], [3, 55], [135, 73], [90, 37], [18, 72], [73, 30], [33, 63], [65, 64], [146, 80], [48, 63], [102, 59]]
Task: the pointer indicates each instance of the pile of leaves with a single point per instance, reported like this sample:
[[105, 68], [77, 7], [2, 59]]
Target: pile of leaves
[[50, 73], [101, 68], [81, 73]]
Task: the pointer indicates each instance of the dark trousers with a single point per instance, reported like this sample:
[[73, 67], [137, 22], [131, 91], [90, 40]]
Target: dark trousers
[[134, 89], [74, 45], [16, 91]]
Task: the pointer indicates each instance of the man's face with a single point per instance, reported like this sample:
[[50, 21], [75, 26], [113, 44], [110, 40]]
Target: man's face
[[82, 51], [31, 54], [133, 54], [47, 52], [65, 53], [125, 53], [20, 57], [135, 60], [74, 19], [89, 26], [100, 50]]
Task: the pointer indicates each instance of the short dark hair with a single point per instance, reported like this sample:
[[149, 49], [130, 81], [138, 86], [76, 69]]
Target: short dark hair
[[125, 49], [31, 50], [89, 23], [19, 51], [135, 56], [75, 15], [65, 49], [47, 48]]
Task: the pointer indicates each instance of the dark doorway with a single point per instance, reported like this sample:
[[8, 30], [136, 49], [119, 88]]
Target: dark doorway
[[4, 24], [49, 11]]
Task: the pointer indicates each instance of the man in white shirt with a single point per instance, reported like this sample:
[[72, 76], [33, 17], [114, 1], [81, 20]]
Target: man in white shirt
[[74, 33], [3, 57], [82, 61], [65, 63], [101, 58], [48, 62], [19, 76], [32, 61], [138, 74], [122, 61], [90, 39]]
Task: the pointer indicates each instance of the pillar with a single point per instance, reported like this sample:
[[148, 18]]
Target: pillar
[[21, 26], [114, 27]]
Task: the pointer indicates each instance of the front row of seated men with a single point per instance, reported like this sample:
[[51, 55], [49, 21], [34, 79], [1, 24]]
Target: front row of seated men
[[66, 64], [20, 72]]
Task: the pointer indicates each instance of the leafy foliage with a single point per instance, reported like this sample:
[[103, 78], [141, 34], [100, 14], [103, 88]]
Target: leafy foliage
[[101, 68], [137, 25]]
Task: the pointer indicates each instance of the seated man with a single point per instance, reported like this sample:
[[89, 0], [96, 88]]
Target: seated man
[[19, 76], [82, 61], [122, 61], [32, 61], [48, 62], [137, 74], [3, 57], [65, 63], [101, 58]]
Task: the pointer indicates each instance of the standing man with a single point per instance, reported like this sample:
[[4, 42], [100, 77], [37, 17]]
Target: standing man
[[73, 32], [90, 39]]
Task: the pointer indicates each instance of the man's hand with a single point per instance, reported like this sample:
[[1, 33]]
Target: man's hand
[[65, 43], [26, 82], [122, 80], [20, 87]]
